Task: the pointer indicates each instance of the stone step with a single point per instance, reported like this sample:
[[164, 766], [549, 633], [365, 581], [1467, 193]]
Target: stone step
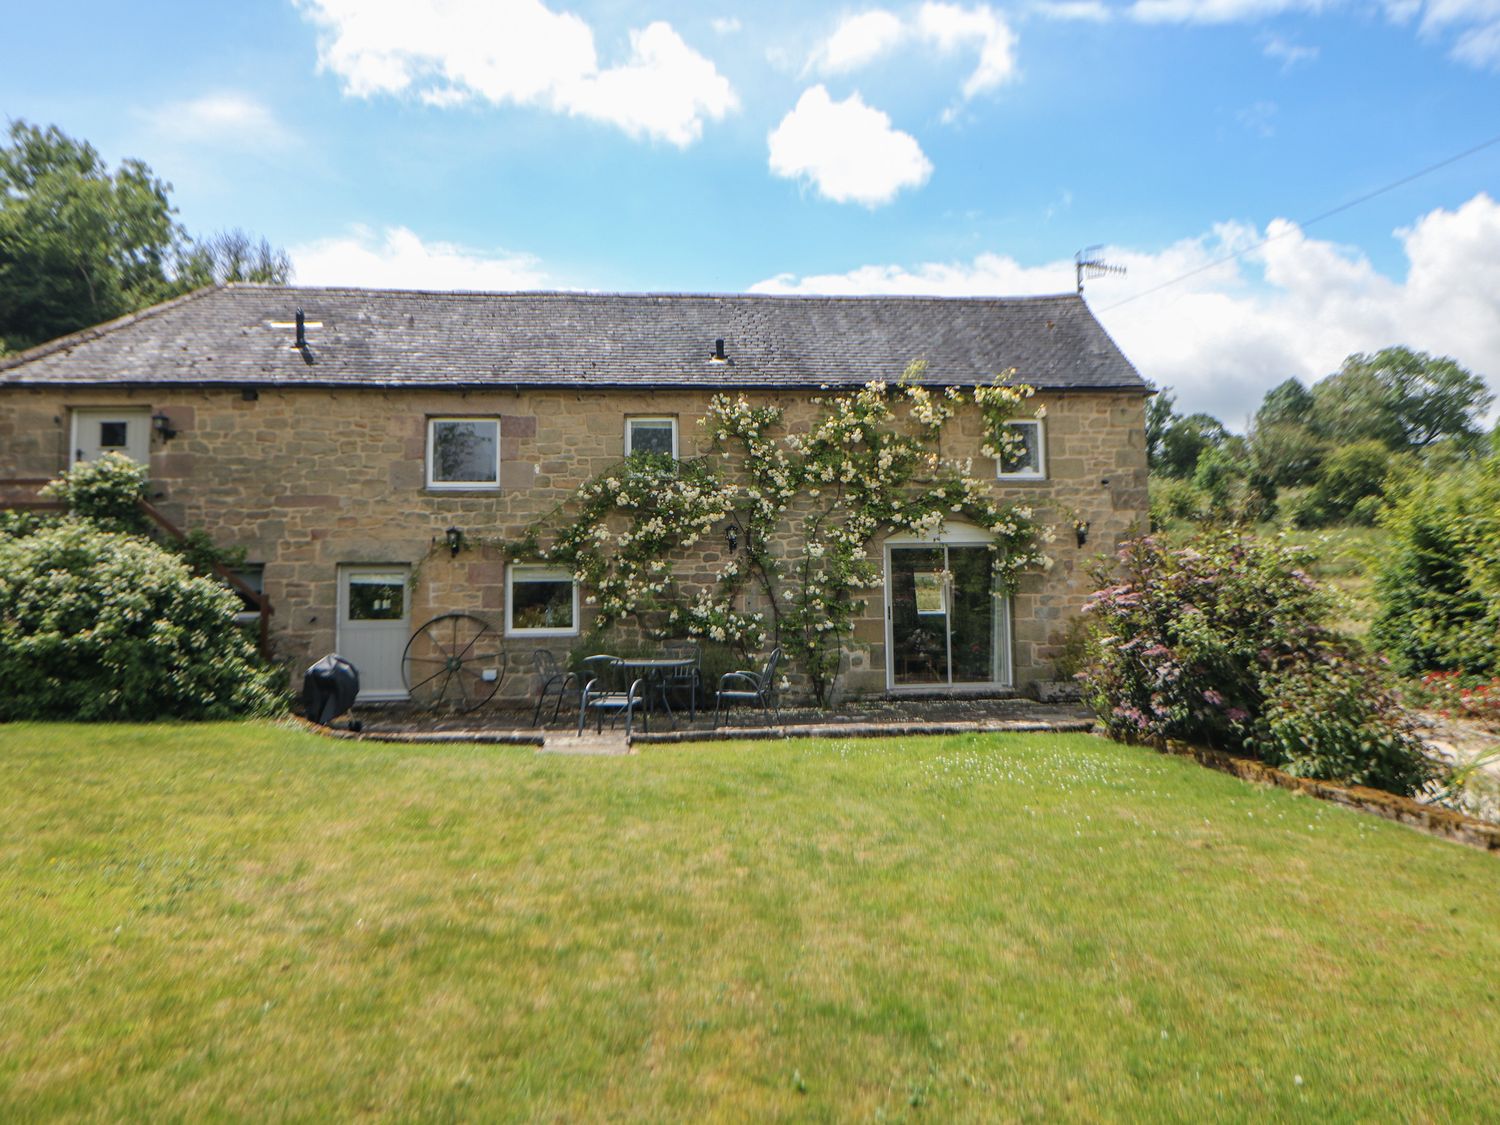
[[609, 742]]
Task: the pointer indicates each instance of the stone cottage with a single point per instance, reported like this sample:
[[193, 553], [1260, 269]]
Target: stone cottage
[[341, 437]]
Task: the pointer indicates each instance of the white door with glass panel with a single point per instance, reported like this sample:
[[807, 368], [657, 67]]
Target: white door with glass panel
[[127, 431], [944, 624], [374, 626]]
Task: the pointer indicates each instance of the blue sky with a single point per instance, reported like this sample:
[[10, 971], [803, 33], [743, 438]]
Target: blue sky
[[928, 147]]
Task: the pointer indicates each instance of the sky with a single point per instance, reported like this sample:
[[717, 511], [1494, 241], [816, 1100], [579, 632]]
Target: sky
[[781, 147]]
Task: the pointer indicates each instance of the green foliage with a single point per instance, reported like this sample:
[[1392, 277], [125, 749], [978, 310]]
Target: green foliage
[[1220, 642], [1172, 500], [1187, 439], [1286, 454], [1335, 718], [1439, 587], [98, 624], [1287, 404], [108, 491], [1400, 398], [1218, 477], [81, 243], [1350, 476]]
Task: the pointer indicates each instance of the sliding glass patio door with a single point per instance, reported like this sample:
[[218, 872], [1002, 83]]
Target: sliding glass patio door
[[944, 625]]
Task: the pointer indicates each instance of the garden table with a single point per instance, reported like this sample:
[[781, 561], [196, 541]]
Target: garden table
[[654, 670]]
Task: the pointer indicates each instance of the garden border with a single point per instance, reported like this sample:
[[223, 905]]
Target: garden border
[[1443, 823]]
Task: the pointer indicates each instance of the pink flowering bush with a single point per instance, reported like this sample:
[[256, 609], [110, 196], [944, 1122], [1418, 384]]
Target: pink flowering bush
[[1223, 642]]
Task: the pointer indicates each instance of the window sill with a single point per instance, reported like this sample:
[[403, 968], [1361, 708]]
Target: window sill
[[524, 633]]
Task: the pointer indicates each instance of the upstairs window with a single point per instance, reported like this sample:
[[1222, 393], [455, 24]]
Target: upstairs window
[[463, 453], [1027, 458], [651, 435]]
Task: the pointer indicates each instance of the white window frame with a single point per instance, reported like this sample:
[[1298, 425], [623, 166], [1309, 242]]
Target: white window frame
[[1040, 472], [461, 485], [537, 572], [631, 419]]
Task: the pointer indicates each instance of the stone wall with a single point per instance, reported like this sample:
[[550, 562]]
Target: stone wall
[[307, 479]]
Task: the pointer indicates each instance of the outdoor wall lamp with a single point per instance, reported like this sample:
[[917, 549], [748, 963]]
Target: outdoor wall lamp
[[455, 539], [732, 537], [163, 426], [1081, 529]]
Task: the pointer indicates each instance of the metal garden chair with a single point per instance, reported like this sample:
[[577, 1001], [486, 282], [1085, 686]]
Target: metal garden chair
[[602, 695], [750, 687], [550, 676]]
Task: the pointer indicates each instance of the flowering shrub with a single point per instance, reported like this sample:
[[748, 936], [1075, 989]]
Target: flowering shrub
[[98, 624], [107, 491], [1223, 642], [868, 463]]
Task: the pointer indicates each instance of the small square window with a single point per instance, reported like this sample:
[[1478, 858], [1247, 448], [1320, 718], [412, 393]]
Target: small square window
[[463, 453], [651, 435], [1026, 459], [114, 435], [377, 597], [541, 601]]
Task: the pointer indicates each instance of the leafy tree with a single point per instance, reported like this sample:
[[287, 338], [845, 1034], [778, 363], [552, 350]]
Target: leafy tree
[[1159, 419], [233, 255], [81, 243], [1187, 439], [1405, 399], [1285, 454], [1288, 403], [1349, 475]]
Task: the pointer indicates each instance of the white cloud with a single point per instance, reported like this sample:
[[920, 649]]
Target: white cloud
[[1296, 306], [861, 39], [951, 27], [519, 51], [857, 41], [398, 259], [1089, 11], [725, 25], [226, 118], [1259, 118], [1287, 53], [847, 150], [1215, 11]]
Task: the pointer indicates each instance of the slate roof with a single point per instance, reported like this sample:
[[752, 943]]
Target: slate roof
[[398, 338]]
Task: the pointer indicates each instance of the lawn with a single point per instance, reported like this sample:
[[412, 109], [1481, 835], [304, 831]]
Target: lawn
[[251, 922]]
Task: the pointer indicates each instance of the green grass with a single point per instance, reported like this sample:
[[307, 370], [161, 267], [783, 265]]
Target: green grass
[[1347, 559], [251, 922]]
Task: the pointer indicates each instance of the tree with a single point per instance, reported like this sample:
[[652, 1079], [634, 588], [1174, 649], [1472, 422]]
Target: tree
[[1159, 418], [233, 255], [1187, 439], [1288, 403], [1406, 399], [81, 244]]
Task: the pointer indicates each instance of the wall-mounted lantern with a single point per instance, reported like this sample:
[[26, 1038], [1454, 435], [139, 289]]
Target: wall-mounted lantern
[[1081, 529], [163, 426], [455, 539], [732, 537]]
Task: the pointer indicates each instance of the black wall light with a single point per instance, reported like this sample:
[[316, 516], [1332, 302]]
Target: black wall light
[[1081, 529], [163, 426], [732, 538], [455, 539]]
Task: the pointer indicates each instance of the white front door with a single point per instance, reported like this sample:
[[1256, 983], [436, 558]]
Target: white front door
[[124, 430], [374, 626]]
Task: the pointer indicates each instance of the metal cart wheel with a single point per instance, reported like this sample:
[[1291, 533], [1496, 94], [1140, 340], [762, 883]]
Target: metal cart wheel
[[453, 663]]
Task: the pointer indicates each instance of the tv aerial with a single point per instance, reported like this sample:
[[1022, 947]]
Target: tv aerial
[[1087, 263]]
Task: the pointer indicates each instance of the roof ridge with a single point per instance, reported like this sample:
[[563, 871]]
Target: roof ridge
[[94, 332], [639, 294]]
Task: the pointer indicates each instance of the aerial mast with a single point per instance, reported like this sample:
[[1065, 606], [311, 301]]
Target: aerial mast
[[1087, 263]]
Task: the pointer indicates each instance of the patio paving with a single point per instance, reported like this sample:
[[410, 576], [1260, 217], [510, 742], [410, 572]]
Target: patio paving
[[851, 719]]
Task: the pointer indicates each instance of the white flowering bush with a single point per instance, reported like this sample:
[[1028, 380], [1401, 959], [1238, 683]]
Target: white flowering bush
[[104, 625], [868, 464]]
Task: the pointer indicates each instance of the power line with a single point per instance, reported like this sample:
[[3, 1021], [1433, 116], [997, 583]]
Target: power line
[[1330, 213]]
